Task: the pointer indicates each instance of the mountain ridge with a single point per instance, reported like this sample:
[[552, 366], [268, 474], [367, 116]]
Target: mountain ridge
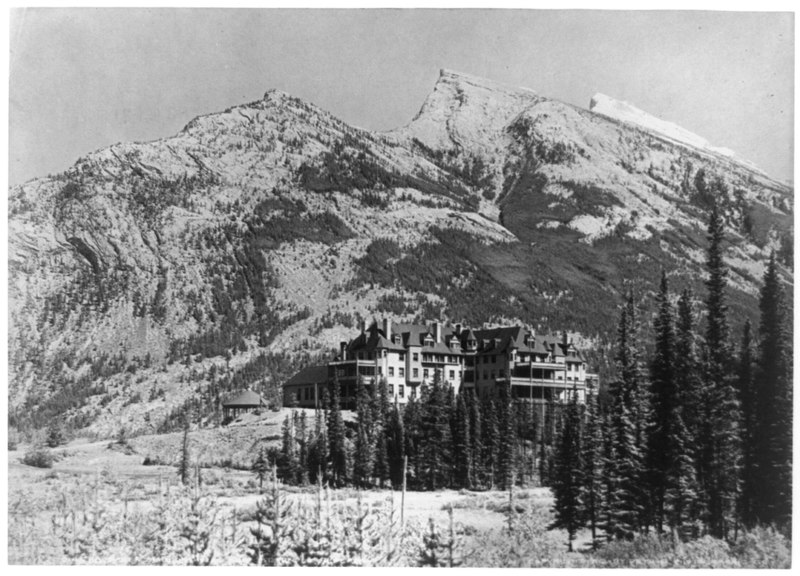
[[254, 239]]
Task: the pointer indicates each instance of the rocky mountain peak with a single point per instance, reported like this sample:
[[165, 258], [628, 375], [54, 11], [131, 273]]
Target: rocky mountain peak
[[626, 112]]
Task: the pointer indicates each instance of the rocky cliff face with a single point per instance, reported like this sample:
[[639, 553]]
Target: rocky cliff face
[[152, 277]]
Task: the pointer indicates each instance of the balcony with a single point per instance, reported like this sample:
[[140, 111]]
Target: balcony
[[544, 383]]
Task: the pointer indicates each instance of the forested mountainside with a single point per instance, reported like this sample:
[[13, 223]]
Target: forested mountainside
[[154, 277]]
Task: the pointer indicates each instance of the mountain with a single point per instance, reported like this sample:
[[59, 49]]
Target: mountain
[[607, 106], [154, 278]]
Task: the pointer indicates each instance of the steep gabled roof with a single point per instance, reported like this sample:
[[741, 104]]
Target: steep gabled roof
[[310, 375]]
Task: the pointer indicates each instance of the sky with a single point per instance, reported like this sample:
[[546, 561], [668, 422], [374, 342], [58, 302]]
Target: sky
[[83, 79]]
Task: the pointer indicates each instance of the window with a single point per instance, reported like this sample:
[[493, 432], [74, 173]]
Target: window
[[391, 390], [402, 357], [425, 373], [416, 372], [485, 375], [494, 358], [391, 370], [492, 374], [380, 370], [502, 373], [452, 374], [401, 372], [416, 357], [401, 391]]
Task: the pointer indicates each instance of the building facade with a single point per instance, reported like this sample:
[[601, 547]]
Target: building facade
[[539, 368]]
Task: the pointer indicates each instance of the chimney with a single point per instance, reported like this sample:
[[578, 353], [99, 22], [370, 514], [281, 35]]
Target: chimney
[[437, 332], [363, 325], [565, 339], [387, 328], [458, 329], [343, 350]]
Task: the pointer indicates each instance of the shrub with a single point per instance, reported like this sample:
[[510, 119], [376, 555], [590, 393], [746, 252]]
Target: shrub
[[763, 548], [39, 457], [707, 552]]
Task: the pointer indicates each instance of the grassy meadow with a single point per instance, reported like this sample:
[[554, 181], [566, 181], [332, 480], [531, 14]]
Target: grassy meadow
[[99, 504]]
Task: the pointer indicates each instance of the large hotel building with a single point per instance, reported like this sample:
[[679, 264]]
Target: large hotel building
[[541, 368]]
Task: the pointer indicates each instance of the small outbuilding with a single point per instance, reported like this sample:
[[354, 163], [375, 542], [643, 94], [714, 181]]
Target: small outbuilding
[[247, 401]]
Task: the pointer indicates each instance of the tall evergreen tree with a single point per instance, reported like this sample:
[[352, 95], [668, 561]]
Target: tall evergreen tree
[[364, 445], [396, 446], [686, 372], [412, 424], [747, 399], [288, 463], [624, 470], [774, 405], [437, 440], [462, 444], [318, 449], [627, 500], [184, 464], [660, 447], [381, 409], [506, 460], [722, 453], [336, 436], [476, 441], [592, 473], [491, 441], [680, 484], [567, 478]]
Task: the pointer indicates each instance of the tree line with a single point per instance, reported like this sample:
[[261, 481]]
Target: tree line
[[693, 439], [439, 439]]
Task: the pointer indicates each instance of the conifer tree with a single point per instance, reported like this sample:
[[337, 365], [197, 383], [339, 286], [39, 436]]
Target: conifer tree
[[491, 442], [260, 468], [364, 446], [396, 446], [380, 432], [462, 444], [567, 478], [689, 383], [747, 399], [476, 440], [318, 449], [627, 501], [681, 490], [722, 453], [184, 464], [506, 460], [437, 441], [412, 425], [624, 470], [591, 457], [336, 437], [774, 405], [288, 464], [661, 449]]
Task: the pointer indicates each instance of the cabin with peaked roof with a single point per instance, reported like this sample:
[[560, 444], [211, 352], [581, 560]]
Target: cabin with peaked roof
[[541, 368], [247, 401]]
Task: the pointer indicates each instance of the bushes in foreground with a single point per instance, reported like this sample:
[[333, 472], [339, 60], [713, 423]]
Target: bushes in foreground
[[39, 457], [96, 523]]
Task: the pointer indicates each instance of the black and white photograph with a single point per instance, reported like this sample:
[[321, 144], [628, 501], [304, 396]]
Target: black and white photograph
[[400, 287]]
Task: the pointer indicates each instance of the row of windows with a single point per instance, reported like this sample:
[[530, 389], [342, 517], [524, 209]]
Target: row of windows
[[401, 390]]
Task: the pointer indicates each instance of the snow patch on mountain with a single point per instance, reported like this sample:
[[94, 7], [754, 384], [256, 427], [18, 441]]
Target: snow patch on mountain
[[625, 112]]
